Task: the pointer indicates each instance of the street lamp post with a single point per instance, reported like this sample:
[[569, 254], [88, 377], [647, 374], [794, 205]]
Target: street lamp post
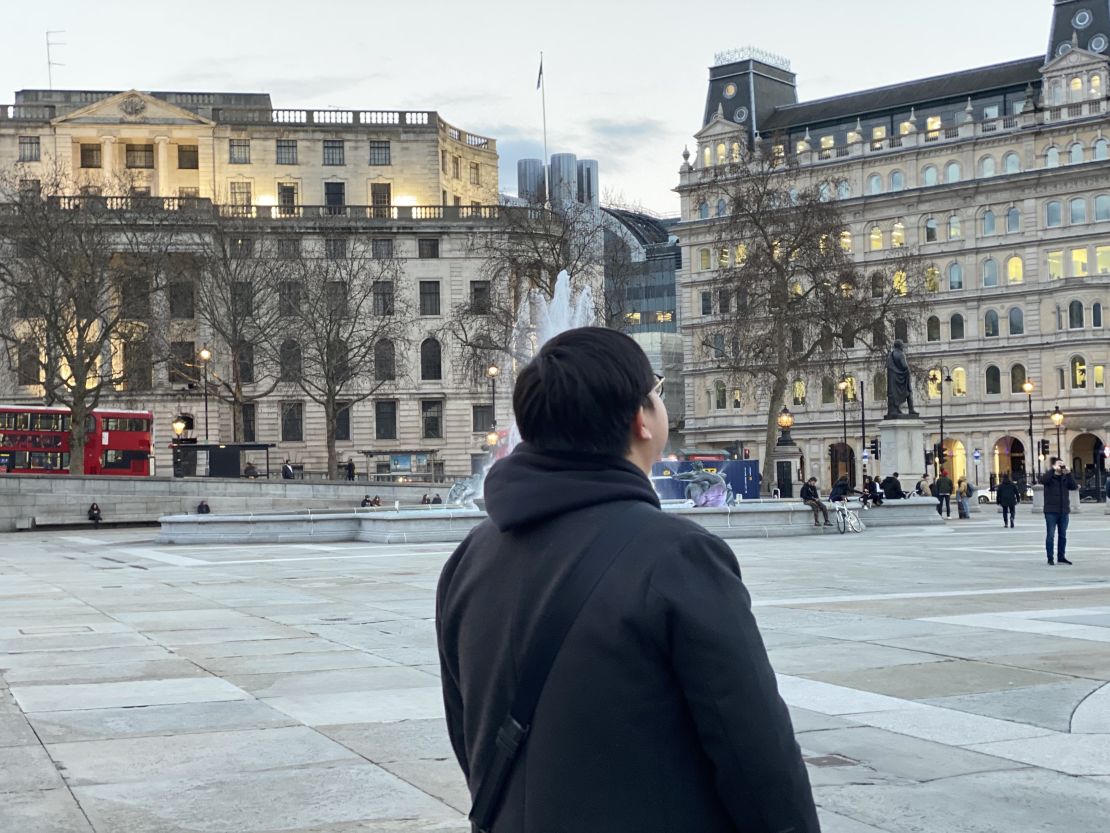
[[492, 437], [1028, 388], [843, 385], [1057, 418], [945, 375], [862, 428], [205, 356]]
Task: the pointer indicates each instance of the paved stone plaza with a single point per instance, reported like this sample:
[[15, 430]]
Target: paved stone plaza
[[942, 680]]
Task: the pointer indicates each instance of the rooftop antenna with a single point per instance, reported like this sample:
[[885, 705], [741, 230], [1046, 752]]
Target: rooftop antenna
[[50, 62]]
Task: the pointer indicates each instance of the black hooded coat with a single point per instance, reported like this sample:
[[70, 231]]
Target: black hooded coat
[[661, 713]]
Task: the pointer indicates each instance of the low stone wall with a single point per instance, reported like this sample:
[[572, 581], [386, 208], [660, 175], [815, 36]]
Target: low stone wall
[[913, 511], [45, 500]]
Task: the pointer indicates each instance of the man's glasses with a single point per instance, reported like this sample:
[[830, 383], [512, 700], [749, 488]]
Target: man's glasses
[[657, 388]]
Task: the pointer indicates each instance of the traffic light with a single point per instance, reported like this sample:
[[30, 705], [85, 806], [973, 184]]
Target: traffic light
[[875, 449], [942, 454], [928, 459], [747, 453], [1043, 448]]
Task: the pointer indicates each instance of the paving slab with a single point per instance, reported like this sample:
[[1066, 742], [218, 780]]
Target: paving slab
[[257, 648], [438, 777], [946, 726], [405, 740], [363, 706], [24, 768], [42, 811], [1050, 706], [93, 656], [1092, 714], [104, 672], [292, 662], [1072, 754], [55, 698], [938, 678], [842, 656], [16, 731], [332, 681]]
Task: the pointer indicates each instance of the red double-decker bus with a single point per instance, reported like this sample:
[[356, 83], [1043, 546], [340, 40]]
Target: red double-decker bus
[[35, 440]]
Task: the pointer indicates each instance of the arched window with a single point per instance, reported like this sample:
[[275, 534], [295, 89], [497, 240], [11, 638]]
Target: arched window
[[989, 226], [901, 330], [707, 156], [897, 181], [1052, 158], [1017, 322], [990, 272], [1075, 154], [703, 210], [878, 386], [828, 391], [704, 259], [955, 227], [1011, 163], [1102, 207], [431, 360], [846, 241], [932, 383], [824, 193], [1077, 210], [932, 329], [1013, 221], [1075, 89], [289, 359], [929, 176], [986, 167], [1015, 270], [720, 395], [1076, 315], [735, 152], [385, 360], [1053, 214], [1096, 315], [990, 324], [799, 392], [931, 230], [932, 279], [952, 172], [875, 239], [721, 207], [1017, 378], [901, 285], [994, 380], [955, 276], [1102, 149], [874, 184], [1078, 373], [722, 153], [959, 381], [956, 327], [898, 235], [843, 190]]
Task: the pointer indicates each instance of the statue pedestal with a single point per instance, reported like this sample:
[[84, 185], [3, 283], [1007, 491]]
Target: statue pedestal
[[785, 459], [903, 448]]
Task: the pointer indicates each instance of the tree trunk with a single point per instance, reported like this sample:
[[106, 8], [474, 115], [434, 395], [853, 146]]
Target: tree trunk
[[78, 416], [329, 435], [774, 406]]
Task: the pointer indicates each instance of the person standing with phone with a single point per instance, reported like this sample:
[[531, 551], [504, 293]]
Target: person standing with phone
[[1057, 482]]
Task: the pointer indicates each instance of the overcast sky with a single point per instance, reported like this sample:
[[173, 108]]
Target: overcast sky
[[626, 80]]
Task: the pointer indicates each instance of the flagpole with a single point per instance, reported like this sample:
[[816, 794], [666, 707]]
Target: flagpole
[[546, 158]]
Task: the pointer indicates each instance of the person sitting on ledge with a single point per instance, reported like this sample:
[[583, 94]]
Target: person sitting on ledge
[[377, 501], [840, 490], [366, 502], [251, 471], [94, 514], [812, 498], [203, 508], [437, 499]]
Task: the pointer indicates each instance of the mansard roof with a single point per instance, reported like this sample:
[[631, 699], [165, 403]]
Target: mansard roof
[[905, 95]]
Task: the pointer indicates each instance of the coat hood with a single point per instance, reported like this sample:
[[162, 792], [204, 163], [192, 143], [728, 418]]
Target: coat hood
[[531, 485]]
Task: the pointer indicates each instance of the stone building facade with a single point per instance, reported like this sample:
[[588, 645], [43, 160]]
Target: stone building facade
[[405, 180], [999, 179]]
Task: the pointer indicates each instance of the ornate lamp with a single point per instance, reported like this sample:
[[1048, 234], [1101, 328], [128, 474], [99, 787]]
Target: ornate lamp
[[178, 425], [785, 422], [492, 438]]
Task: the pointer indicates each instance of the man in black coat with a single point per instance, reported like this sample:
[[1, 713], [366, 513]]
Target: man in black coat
[[1057, 482], [661, 712], [892, 487]]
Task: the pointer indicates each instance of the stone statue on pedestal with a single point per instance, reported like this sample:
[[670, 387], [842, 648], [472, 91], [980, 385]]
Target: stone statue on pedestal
[[899, 385]]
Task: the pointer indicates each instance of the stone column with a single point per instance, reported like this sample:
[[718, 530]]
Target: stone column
[[162, 168], [108, 162], [903, 447]]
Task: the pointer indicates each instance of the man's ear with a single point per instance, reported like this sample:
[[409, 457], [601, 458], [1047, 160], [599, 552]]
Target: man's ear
[[640, 429]]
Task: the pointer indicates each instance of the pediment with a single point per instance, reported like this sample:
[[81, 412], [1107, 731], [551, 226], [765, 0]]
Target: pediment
[[718, 126], [1074, 59], [132, 107]]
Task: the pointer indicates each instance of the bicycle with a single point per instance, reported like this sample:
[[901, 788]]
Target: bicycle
[[846, 520]]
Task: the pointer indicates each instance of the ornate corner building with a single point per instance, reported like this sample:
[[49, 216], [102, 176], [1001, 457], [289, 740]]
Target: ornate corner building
[[999, 178], [406, 183]]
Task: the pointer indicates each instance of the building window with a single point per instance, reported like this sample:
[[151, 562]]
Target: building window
[[990, 272], [479, 297], [456, 167], [475, 173], [1017, 378], [989, 226], [845, 245], [1077, 211], [335, 248], [828, 391], [994, 380], [720, 395], [1075, 154], [932, 329], [1101, 150], [429, 297], [343, 421], [381, 200], [1078, 373], [385, 361], [986, 167], [1055, 265], [287, 151], [1015, 270], [29, 149], [239, 151], [955, 228], [431, 360], [381, 249], [188, 157], [875, 239], [706, 303], [929, 176], [244, 354], [289, 298], [289, 361], [1102, 207], [898, 235], [383, 298], [335, 197], [932, 279], [990, 324], [182, 358], [427, 248], [138, 366], [952, 172], [333, 152], [956, 327], [379, 152], [385, 419], [1102, 259], [1017, 322], [704, 259], [139, 156], [1075, 315], [799, 389], [240, 193], [292, 422], [955, 276], [1011, 163], [481, 418], [1052, 158], [1096, 315], [431, 419], [182, 300], [897, 181], [1079, 263], [703, 210], [248, 416], [90, 156], [29, 370], [336, 294], [930, 230], [1100, 377]]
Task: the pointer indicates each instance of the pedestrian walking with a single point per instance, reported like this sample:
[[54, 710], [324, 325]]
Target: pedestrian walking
[[963, 498], [1058, 482], [892, 487], [812, 498], [943, 492], [1007, 497], [680, 725], [350, 469]]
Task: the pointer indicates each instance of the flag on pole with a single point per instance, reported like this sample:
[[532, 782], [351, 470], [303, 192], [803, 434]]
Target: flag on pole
[[539, 78]]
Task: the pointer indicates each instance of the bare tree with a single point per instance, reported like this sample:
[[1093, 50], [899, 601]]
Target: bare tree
[[344, 329], [78, 275], [791, 304]]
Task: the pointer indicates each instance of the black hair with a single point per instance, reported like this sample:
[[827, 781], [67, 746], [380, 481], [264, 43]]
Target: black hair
[[581, 392]]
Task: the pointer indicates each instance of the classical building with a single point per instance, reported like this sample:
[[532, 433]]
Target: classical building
[[999, 177], [406, 183]]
